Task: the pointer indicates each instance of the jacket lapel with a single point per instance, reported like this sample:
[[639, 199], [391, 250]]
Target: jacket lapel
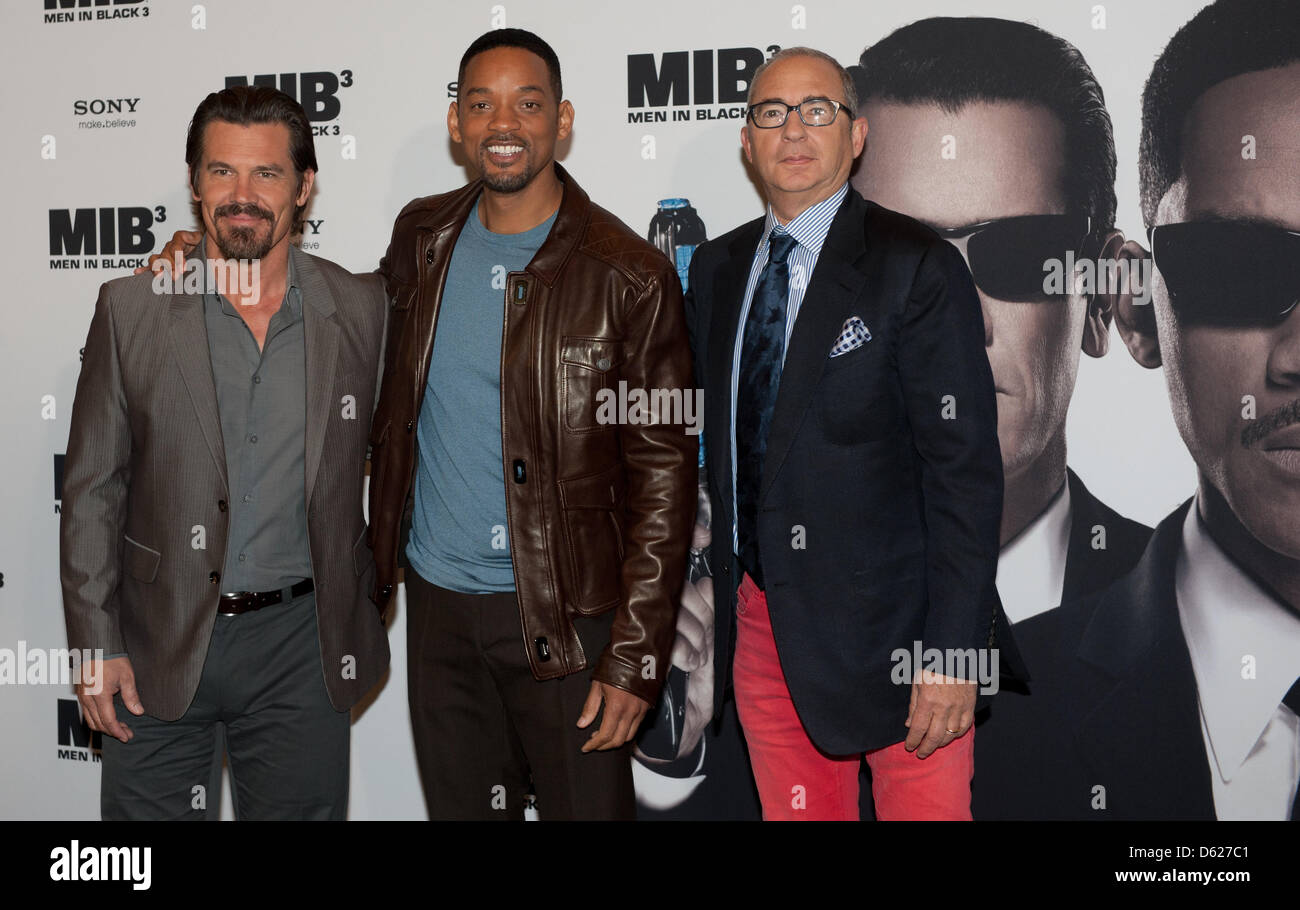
[[321, 340], [838, 281], [1143, 734], [188, 335]]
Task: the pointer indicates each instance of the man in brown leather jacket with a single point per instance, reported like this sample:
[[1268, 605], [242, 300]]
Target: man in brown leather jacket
[[519, 497]]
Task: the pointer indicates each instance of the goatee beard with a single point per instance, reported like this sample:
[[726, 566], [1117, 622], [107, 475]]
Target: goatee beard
[[243, 243]]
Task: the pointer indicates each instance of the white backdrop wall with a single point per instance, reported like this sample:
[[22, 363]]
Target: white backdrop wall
[[96, 109]]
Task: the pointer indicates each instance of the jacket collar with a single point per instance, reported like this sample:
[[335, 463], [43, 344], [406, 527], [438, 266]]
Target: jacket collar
[[570, 223]]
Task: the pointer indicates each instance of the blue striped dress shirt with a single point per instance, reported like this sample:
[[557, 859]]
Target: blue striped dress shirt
[[809, 230]]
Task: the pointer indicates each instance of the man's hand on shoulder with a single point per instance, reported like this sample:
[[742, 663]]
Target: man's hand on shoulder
[[180, 246], [100, 681]]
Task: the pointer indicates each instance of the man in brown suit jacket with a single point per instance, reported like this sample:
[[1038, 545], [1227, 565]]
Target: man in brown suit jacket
[[213, 546]]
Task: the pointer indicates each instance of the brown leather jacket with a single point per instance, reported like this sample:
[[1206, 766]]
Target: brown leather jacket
[[600, 514]]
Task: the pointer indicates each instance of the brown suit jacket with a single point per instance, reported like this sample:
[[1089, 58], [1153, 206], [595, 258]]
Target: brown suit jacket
[[145, 473]]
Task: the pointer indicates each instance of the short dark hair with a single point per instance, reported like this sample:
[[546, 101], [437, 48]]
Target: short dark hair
[[1225, 39], [245, 105], [513, 37], [952, 62]]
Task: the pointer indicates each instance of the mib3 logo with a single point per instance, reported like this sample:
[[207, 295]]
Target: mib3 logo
[[318, 93], [121, 237], [77, 742], [713, 83], [99, 113], [94, 10], [311, 234]]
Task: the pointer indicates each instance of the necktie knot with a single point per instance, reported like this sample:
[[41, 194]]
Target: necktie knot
[[779, 246]]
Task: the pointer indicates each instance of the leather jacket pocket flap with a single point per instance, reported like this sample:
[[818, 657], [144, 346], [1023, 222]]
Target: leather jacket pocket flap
[[594, 491], [598, 354], [141, 562]]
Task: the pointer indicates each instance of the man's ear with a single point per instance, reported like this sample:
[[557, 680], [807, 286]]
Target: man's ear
[[453, 122], [308, 181], [1135, 315], [744, 144], [1101, 306], [566, 121], [859, 135]]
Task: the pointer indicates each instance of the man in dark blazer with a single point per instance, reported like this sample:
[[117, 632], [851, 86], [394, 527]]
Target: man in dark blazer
[[213, 546], [854, 452]]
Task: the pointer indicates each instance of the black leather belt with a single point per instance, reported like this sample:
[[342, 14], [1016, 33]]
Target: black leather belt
[[247, 601]]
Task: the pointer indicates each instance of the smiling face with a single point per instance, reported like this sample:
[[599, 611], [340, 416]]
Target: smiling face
[[799, 165], [507, 118], [1008, 159], [247, 189], [1253, 461]]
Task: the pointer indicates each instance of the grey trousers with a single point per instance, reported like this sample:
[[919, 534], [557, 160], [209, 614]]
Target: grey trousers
[[262, 697]]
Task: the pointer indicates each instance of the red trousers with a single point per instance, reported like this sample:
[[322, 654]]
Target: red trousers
[[796, 780]]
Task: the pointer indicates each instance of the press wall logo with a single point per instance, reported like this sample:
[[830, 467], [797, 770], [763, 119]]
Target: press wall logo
[[318, 93], [692, 85], [311, 234], [77, 742], [119, 237], [94, 10], [102, 113]]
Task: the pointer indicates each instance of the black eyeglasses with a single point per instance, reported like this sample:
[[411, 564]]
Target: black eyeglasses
[[1231, 274], [768, 115], [1010, 258]]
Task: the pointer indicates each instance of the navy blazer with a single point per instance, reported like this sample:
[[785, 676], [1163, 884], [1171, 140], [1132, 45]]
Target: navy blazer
[[881, 494]]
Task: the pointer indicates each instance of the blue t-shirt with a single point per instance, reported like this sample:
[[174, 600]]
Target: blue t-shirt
[[458, 532]]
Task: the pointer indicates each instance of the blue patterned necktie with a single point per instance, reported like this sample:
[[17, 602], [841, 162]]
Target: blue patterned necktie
[[761, 356]]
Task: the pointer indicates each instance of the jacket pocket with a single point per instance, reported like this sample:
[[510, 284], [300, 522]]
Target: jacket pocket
[[141, 562], [592, 506], [587, 366]]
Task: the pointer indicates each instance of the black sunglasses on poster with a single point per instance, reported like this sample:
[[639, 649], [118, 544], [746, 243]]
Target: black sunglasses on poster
[[1231, 274], [1008, 257]]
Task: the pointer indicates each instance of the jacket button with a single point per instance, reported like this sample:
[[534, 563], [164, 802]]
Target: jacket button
[[221, 505], [521, 475], [386, 590], [410, 425], [602, 364], [214, 577], [428, 256], [543, 649]]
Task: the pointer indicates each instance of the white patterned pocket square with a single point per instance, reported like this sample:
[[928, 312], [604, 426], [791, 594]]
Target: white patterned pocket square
[[853, 336]]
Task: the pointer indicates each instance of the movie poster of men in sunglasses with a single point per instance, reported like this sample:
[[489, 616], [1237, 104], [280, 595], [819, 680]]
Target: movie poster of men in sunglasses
[[1122, 179], [1164, 663]]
